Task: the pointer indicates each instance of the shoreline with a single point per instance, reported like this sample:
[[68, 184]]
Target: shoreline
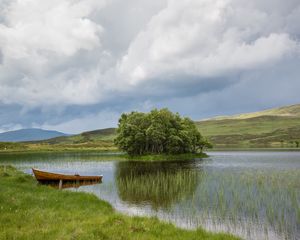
[[29, 209], [109, 155], [116, 152], [254, 149]]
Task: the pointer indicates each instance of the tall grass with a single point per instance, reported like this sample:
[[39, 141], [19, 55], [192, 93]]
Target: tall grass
[[31, 211], [259, 201], [252, 203]]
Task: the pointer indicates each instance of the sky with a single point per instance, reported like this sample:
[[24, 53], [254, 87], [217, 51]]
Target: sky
[[76, 65]]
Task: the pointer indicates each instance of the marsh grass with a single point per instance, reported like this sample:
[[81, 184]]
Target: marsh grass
[[256, 204], [267, 199], [31, 211]]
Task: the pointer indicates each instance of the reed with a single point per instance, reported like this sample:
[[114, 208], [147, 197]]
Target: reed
[[260, 198], [31, 211]]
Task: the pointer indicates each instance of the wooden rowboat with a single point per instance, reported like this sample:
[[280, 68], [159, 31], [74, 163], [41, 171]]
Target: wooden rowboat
[[42, 176]]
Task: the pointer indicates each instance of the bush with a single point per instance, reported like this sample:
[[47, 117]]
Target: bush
[[159, 131]]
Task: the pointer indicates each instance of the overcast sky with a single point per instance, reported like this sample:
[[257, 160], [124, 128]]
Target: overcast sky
[[74, 65]]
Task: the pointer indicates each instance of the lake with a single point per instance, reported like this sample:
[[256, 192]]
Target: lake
[[255, 195]]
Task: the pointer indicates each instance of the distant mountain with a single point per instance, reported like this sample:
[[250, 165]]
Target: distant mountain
[[29, 134], [277, 127]]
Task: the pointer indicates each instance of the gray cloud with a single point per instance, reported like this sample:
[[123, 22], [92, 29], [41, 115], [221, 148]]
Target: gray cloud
[[70, 64]]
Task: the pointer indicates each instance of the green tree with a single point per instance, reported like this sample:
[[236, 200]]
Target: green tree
[[159, 131]]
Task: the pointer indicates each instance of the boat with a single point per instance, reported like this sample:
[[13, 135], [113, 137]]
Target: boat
[[43, 176]]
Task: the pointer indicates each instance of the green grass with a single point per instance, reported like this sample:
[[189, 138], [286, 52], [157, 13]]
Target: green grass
[[254, 130], [100, 146], [32, 211], [99, 140], [262, 197], [103, 135], [251, 126]]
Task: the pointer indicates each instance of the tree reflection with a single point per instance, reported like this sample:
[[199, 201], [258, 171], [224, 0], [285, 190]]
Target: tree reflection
[[159, 184]]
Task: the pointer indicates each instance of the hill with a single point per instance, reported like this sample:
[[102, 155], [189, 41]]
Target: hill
[[286, 111], [29, 134], [98, 140], [278, 127], [100, 135]]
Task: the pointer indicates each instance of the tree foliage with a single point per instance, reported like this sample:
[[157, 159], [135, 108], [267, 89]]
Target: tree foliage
[[159, 131]]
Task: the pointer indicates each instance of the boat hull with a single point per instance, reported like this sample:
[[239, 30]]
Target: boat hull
[[43, 176]]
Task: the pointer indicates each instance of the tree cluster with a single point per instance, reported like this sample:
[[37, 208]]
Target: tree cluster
[[159, 131]]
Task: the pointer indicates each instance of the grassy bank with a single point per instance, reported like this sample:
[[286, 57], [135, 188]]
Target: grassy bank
[[154, 157], [31, 211], [99, 146], [97, 155]]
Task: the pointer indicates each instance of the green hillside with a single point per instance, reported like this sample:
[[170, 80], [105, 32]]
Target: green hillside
[[98, 140], [287, 111], [101, 139], [279, 127], [101, 135]]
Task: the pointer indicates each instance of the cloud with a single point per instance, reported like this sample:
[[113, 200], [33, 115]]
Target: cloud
[[36, 39], [207, 39], [258, 90], [32, 28], [91, 56]]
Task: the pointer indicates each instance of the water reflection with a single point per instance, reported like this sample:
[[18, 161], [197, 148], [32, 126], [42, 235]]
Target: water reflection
[[158, 184], [58, 156], [255, 195], [69, 184]]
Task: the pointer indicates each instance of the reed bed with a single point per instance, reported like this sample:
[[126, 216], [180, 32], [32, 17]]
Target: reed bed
[[266, 201]]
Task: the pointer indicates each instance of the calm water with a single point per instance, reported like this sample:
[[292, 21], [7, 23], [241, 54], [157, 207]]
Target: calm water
[[255, 195]]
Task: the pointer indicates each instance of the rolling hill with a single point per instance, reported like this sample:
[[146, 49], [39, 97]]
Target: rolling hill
[[286, 111], [101, 135], [278, 127], [275, 128], [98, 140], [29, 134]]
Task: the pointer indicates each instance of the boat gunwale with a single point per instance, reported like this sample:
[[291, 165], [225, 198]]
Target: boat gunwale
[[43, 176]]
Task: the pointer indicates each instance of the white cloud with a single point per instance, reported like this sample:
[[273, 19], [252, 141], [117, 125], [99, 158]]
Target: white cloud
[[65, 53], [33, 28], [37, 38], [208, 38]]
